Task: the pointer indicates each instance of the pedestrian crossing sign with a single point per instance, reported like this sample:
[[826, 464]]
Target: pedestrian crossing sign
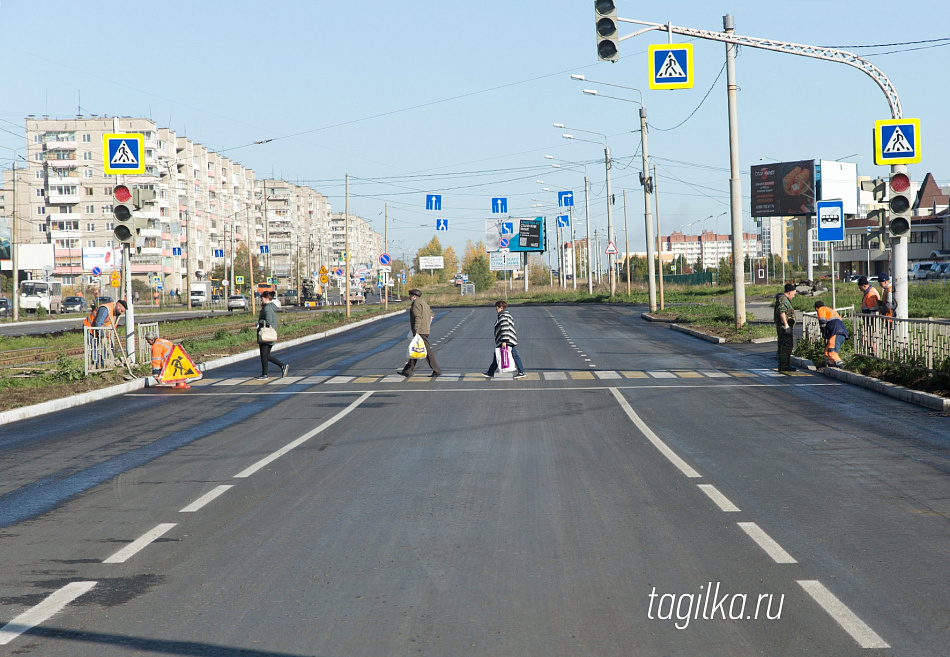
[[123, 153], [897, 141], [178, 367], [671, 65]]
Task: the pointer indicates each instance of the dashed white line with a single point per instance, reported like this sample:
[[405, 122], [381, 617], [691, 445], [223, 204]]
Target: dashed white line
[[683, 466], [43, 611], [721, 500], [849, 622], [767, 543], [204, 499], [141, 542], [247, 472]]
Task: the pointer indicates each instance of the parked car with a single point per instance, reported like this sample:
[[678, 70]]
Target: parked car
[[458, 280], [939, 270], [918, 271], [74, 305], [103, 299], [289, 298], [237, 302], [6, 308]]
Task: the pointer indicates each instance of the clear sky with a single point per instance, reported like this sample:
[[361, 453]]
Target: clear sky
[[459, 98]]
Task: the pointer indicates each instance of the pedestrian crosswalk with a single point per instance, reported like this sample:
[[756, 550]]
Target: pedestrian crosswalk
[[470, 377]]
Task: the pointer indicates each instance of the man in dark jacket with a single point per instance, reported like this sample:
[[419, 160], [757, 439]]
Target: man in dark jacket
[[420, 321], [833, 331]]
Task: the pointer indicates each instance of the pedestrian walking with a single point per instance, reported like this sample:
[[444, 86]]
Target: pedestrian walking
[[268, 319], [784, 324], [420, 322], [833, 331], [505, 336]]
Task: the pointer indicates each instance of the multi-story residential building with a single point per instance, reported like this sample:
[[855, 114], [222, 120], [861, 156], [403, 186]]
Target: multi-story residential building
[[709, 248], [365, 244], [205, 204]]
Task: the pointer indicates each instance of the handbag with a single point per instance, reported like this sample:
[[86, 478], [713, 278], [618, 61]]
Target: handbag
[[505, 362], [417, 348], [267, 334]]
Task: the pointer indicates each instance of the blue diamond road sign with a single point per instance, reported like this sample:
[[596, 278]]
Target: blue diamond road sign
[[565, 199], [499, 205]]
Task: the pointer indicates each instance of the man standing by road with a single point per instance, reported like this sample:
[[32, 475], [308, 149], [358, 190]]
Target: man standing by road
[[887, 295], [420, 321], [784, 323], [871, 302]]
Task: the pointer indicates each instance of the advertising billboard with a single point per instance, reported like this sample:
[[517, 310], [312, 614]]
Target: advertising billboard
[[514, 234], [783, 189], [839, 180], [104, 257], [30, 257]]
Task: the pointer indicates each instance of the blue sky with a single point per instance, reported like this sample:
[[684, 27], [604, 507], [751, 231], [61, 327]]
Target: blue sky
[[460, 98]]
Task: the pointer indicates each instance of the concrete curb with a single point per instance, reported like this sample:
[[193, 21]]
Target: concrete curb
[[925, 399], [803, 363], [698, 334], [53, 405], [651, 318]]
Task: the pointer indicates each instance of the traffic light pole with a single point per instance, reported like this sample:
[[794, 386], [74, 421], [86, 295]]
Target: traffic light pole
[[728, 36], [899, 249]]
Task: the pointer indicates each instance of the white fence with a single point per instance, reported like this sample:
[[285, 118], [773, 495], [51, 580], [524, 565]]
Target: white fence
[[811, 330], [921, 343], [100, 349]]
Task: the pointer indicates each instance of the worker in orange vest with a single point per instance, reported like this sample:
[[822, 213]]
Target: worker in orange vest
[[871, 302], [106, 314], [888, 304], [833, 331], [161, 350]]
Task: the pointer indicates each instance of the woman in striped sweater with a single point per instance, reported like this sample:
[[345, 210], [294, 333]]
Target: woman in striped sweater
[[505, 336]]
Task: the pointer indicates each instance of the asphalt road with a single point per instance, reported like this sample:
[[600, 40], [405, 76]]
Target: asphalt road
[[640, 493]]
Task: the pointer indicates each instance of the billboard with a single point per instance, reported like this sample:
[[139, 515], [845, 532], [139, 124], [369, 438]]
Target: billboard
[[29, 256], [514, 234], [431, 262], [783, 189], [104, 257], [839, 180]]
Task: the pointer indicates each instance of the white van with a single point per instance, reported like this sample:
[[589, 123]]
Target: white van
[[198, 298]]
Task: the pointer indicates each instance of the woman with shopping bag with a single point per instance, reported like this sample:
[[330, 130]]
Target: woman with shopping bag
[[506, 339], [267, 335]]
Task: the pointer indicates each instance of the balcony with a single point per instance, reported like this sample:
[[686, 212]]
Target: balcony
[[56, 198], [62, 164], [65, 235], [60, 145], [150, 232], [149, 251]]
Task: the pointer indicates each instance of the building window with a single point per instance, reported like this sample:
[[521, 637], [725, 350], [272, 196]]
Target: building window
[[87, 173], [109, 243], [107, 209], [108, 190], [39, 175], [87, 156], [37, 139], [90, 228], [41, 192], [90, 242], [64, 225], [924, 237], [41, 209], [86, 138], [90, 209], [65, 209], [41, 228], [110, 226]]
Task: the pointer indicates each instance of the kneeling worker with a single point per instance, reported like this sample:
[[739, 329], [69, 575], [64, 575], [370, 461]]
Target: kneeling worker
[[833, 331], [161, 350]]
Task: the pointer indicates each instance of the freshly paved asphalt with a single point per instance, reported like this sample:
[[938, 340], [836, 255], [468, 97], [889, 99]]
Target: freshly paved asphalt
[[362, 513]]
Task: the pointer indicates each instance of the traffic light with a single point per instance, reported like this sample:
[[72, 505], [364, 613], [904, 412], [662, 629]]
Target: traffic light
[[608, 37], [899, 205], [122, 211]]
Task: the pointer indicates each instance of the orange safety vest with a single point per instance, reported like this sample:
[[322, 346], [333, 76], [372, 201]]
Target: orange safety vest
[[871, 300], [161, 349], [887, 291], [110, 320], [825, 313]]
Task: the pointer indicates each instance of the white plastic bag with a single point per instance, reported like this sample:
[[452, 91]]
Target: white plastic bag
[[417, 348], [505, 362]]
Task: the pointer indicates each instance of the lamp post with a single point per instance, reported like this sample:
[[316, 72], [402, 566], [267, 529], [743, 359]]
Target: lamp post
[[645, 179], [587, 251], [610, 213]]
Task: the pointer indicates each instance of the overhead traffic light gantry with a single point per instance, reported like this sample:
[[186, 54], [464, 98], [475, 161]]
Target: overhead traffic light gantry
[[608, 36]]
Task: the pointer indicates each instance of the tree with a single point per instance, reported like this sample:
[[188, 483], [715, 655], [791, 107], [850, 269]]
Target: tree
[[451, 262], [240, 269], [539, 273], [476, 265], [434, 248]]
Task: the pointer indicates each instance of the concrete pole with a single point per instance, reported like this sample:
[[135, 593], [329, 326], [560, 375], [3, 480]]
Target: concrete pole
[[735, 183], [612, 275], [659, 234], [626, 237], [590, 274], [809, 249], [573, 246], [648, 210], [899, 262], [346, 245], [14, 261], [386, 250]]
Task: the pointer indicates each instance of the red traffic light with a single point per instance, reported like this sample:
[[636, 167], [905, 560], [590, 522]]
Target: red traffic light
[[122, 193], [900, 182]]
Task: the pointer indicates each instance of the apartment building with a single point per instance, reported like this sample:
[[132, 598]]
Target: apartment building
[[205, 206], [708, 248], [365, 244]]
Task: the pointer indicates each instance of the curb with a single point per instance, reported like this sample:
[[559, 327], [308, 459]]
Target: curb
[[925, 399], [53, 405], [803, 363], [715, 339], [651, 318]]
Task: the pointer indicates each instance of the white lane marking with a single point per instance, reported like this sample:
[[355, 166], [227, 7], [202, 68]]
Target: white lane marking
[[721, 500], [555, 376], [767, 543], [141, 542], [713, 374], [43, 611], [607, 374], [662, 375], [849, 622], [247, 472], [653, 438], [204, 499], [341, 379]]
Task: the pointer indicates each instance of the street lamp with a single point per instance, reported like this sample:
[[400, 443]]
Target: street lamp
[[610, 212], [590, 278]]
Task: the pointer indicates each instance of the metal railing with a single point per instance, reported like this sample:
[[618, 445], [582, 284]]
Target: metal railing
[[919, 343], [99, 351], [145, 350], [811, 329]]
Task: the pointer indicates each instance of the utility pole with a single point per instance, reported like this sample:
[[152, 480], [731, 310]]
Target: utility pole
[[647, 183], [14, 260], [659, 250], [626, 235], [386, 275], [250, 262], [611, 238], [735, 183], [590, 274], [346, 245]]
